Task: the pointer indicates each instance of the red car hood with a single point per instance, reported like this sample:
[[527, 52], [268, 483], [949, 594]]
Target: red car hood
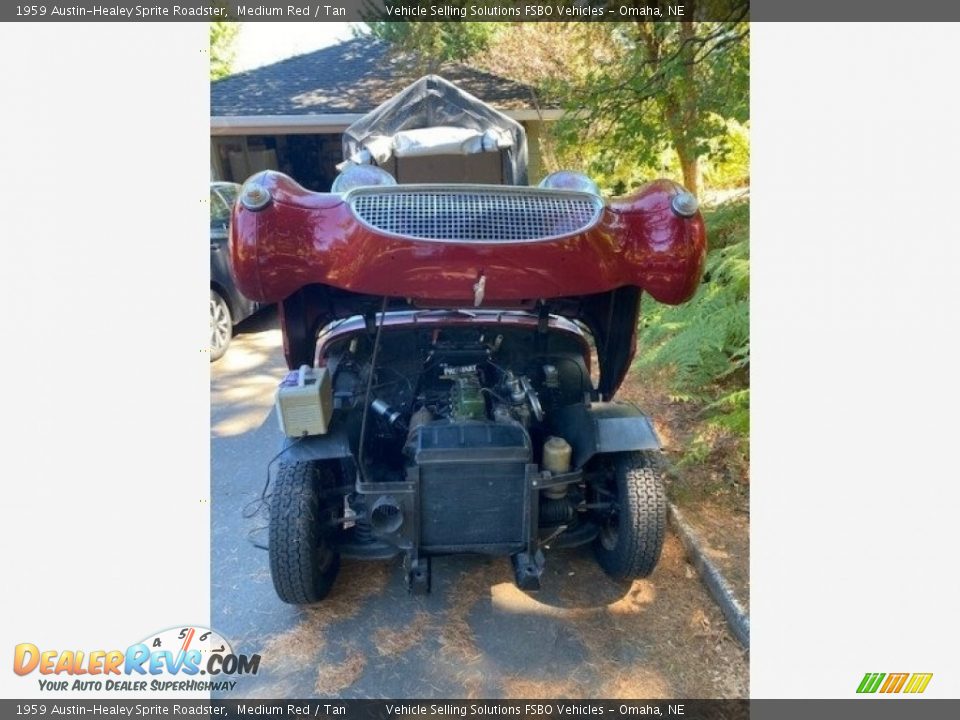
[[327, 256]]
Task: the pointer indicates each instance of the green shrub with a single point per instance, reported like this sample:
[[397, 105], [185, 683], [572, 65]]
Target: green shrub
[[728, 164]]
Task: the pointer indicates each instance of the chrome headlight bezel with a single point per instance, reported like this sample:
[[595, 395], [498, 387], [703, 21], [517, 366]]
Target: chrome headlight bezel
[[685, 204], [570, 180], [254, 195], [356, 176]]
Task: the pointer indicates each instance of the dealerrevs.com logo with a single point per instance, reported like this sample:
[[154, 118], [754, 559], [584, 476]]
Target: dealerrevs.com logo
[[910, 683], [180, 659]]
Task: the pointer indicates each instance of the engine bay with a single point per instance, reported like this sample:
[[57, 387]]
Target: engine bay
[[457, 435], [453, 374]]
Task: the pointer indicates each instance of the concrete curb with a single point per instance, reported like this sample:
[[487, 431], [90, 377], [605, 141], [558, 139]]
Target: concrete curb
[[716, 584]]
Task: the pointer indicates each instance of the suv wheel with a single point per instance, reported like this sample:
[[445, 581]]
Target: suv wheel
[[221, 326]]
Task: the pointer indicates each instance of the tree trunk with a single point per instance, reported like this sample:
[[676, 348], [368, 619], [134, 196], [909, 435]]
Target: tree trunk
[[690, 165], [685, 106], [680, 98]]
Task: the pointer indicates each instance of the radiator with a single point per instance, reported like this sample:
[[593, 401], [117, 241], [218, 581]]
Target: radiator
[[473, 486]]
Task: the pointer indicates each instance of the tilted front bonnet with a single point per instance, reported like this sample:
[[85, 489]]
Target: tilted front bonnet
[[434, 244]]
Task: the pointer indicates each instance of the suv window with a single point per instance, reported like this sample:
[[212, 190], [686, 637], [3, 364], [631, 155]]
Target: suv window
[[221, 202]]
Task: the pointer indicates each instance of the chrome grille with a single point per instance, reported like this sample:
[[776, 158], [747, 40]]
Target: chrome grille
[[470, 214]]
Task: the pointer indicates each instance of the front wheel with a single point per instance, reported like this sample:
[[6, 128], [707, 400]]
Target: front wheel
[[221, 326], [303, 560], [631, 535]]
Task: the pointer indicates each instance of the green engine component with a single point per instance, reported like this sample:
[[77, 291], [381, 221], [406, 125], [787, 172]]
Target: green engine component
[[466, 400]]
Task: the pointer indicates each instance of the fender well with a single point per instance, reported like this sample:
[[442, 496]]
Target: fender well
[[604, 428]]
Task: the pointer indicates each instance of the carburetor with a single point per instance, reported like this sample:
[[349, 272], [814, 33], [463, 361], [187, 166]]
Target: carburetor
[[524, 402]]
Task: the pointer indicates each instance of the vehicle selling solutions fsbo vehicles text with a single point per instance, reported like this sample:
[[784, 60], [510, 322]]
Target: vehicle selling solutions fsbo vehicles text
[[473, 709]]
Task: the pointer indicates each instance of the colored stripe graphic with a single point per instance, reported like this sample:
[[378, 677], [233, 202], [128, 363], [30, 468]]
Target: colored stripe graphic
[[870, 682], [894, 682], [918, 682]]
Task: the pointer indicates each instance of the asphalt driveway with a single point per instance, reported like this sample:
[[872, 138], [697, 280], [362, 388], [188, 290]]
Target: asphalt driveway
[[476, 635]]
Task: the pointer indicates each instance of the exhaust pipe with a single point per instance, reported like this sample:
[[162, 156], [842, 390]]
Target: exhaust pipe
[[386, 517]]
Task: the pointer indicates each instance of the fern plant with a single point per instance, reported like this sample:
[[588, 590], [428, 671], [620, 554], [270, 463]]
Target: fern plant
[[706, 342]]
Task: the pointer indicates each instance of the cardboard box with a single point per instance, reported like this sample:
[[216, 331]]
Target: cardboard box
[[484, 168]]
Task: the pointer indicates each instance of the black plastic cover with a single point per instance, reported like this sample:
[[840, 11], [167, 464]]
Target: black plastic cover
[[470, 441]]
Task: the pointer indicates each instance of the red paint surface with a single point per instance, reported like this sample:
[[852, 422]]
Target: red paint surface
[[303, 238]]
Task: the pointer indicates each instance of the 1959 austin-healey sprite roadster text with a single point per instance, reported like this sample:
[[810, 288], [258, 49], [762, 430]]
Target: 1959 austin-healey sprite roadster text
[[440, 343]]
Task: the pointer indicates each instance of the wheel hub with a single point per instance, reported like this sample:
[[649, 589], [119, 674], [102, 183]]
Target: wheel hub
[[219, 325], [610, 531]]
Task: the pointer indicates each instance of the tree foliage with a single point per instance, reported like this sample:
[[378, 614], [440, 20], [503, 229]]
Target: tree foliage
[[548, 56], [644, 99], [728, 164], [222, 36], [672, 88], [434, 43]]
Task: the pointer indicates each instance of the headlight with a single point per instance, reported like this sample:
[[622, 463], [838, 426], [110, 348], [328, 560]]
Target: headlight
[[685, 204], [361, 176], [570, 180], [253, 195]]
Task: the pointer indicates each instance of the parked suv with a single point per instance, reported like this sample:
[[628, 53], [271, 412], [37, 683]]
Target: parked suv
[[228, 306]]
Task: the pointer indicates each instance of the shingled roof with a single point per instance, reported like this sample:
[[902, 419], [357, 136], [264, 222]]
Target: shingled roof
[[352, 77]]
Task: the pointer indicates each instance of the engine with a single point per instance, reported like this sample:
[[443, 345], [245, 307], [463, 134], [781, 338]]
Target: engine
[[458, 381], [456, 432], [465, 393]]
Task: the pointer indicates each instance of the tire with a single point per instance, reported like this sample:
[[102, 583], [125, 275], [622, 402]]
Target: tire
[[303, 560], [221, 326], [629, 543]]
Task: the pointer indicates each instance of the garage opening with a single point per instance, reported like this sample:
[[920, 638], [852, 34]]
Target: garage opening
[[310, 159]]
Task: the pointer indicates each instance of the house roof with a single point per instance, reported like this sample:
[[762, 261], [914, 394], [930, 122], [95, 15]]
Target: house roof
[[350, 78]]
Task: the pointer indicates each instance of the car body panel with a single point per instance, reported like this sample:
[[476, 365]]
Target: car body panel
[[604, 428], [222, 198], [303, 238]]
